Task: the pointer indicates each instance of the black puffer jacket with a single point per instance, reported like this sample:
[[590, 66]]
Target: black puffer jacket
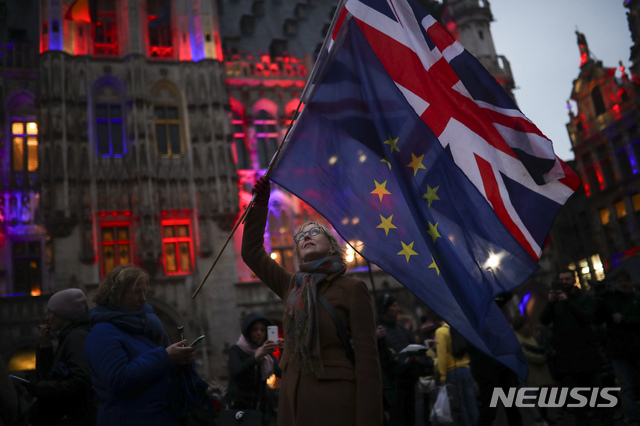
[[247, 389], [63, 387]]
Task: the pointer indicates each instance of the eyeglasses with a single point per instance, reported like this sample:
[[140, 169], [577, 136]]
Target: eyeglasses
[[312, 233]]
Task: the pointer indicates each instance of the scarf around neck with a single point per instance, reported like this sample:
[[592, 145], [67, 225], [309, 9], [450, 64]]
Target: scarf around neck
[[266, 364], [301, 316], [143, 322]]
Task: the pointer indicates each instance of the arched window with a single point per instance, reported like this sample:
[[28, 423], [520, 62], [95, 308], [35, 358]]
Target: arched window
[[290, 111], [266, 136]]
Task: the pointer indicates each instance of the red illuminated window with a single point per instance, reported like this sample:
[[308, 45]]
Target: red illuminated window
[[115, 245], [177, 246], [240, 154], [160, 36], [266, 137], [106, 29]]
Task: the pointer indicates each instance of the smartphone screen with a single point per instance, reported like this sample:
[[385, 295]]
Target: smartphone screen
[[272, 333]]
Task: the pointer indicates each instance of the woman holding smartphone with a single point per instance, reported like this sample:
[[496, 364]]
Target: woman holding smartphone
[[140, 378], [251, 363], [321, 384]]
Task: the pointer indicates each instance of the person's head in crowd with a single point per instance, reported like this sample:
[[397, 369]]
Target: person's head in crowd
[[315, 241], [388, 307], [124, 287], [623, 281], [407, 321], [428, 328], [254, 328], [567, 279], [65, 307]]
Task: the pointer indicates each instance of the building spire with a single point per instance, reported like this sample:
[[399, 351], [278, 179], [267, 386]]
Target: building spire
[[585, 55]]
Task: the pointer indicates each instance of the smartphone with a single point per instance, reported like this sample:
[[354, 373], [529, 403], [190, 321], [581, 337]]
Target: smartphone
[[198, 340], [272, 333], [18, 378]]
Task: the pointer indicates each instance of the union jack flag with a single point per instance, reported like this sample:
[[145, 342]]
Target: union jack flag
[[490, 139], [425, 165]]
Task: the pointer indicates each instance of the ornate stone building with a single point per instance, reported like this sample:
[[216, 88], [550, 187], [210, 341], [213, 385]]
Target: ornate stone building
[[132, 131]]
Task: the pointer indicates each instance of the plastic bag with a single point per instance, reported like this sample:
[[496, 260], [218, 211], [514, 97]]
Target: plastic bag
[[441, 411]]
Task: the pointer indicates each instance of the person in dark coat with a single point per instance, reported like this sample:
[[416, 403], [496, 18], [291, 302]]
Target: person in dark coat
[[321, 385], [251, 363], [8, 398], [398, 386], [63, 385], [620, 311], [139, 377], [570, 314]]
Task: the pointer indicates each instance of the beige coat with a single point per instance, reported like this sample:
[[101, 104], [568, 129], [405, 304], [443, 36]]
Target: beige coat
[[539, 375], [345, 394]]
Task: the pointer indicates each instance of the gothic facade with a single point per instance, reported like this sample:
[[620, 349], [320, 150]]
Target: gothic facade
[[132, 132]]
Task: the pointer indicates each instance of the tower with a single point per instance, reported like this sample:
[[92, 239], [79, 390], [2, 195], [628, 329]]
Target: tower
[[469, 22], [603, 128]]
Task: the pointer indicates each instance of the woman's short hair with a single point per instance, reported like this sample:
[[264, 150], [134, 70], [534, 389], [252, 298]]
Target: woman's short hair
[[333, 241], [117, 282]]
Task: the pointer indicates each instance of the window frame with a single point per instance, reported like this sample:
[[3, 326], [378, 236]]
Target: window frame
[[115, 224], [110, 123], [241, 155], [264, 136], [164, 49], [27, 255], [176, 240], [281, 242], [108, 19], [167, 122], [25, 136]]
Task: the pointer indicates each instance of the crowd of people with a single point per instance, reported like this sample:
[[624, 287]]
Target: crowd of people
[[341, 360]]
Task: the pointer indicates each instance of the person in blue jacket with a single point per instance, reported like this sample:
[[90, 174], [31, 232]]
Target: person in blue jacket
[[138, 376]]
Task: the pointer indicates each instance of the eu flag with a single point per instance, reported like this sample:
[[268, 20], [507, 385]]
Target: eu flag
[[362, 156]]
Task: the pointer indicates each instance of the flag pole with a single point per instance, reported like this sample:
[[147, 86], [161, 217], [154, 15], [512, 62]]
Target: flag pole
[[250, 205], [373, 286]]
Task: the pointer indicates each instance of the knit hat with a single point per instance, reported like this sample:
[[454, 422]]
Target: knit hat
[[70, 304]]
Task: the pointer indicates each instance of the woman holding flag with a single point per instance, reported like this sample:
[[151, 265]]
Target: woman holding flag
[[327, 378]]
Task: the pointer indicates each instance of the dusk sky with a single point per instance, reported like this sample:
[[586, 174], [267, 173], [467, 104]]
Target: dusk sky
[[538, 39]]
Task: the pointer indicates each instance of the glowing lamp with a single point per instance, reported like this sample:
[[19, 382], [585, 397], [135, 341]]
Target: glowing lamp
[[493, 261]]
